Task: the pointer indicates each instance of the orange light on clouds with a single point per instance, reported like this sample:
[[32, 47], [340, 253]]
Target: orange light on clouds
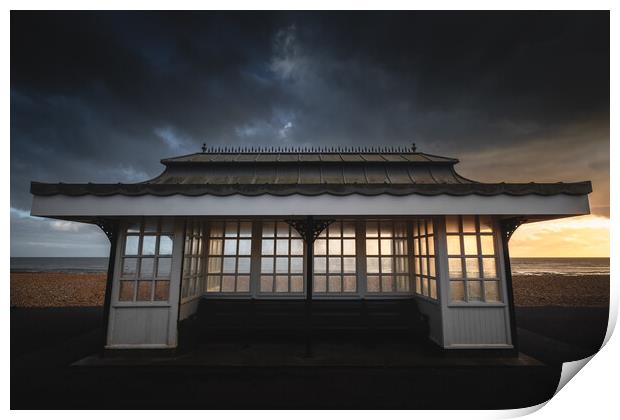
[[583, 236]]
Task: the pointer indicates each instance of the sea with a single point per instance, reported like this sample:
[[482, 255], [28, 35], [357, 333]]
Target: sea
[[520, 266]]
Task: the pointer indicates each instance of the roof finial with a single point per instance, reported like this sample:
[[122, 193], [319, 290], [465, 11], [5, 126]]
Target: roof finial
[[413, 147], [204, 147]]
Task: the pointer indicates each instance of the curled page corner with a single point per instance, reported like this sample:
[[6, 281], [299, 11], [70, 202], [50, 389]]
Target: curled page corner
[[570, 369]]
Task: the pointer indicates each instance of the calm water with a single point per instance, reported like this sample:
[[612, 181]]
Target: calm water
[[520, 266]]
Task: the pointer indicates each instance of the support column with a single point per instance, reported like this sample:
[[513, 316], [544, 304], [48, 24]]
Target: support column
[[110, 228], [309, 229], [508, 227]]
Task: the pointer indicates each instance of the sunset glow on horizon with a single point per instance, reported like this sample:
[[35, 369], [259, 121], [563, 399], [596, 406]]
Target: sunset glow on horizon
[[582, 236]]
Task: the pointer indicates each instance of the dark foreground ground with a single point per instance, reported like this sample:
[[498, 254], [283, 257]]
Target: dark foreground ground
[[46, 341]]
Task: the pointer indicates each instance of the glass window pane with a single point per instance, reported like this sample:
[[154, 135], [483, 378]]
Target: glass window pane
[[474, 290], [213, 284], [401, 265], [334, 247], [486, 224], [282, 230], [144, 291], [243, 265], [266, 265], [431, 266], [454, 245], [148, 244], [373, 284], [162, 289], [431, 245], [228, 284], [349, 284], [334, 230], [195, 245], [297, 265], [216, 229], [334, 284], [130, 266], [433, 288], [320, 283], [245, 229], [469, 224], [269, 229], [230, 247], [282, 246], [126, 291], [320, 264], [165, 245], [386, 247], [266, 284], [424, 286], [471, 244], [400, 247], [491, 291], [335, 265], [229, 264], [348, 247], [486, 243], [150, 225], [320, 247], [243, 283], [133, 227], [386, 229], [387, 284], [416, 246], [348, 229], [281, 284], [402, 284], [489, 268], [131, 245], [457, 291], [215, 247], [454, 268], [400, 230], [146, 268], [423, 245], [386, 265], [372, 247], [372, 265], [281, 265], [472, 268], [418, 285], [429, 227], [297, 284], [230, 229], [452, 224], [245, 247], [163, 267], [267, 247], [297, 247], [215, 265], [372, 229], [348, 265]]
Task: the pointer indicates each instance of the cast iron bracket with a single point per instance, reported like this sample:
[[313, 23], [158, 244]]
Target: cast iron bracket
[[309, 234]]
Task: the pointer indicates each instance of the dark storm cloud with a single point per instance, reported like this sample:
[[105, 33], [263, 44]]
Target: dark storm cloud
[[103, 96]]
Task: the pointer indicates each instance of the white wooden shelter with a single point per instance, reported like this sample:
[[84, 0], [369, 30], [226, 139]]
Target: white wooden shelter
[[310, 224]]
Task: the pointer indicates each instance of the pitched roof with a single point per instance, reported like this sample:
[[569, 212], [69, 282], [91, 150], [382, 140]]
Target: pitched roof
[[336, 171]]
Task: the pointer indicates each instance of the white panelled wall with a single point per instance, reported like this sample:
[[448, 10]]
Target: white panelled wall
[[148, 318]]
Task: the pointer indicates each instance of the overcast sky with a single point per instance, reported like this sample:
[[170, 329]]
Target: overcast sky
[[102, 97]]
